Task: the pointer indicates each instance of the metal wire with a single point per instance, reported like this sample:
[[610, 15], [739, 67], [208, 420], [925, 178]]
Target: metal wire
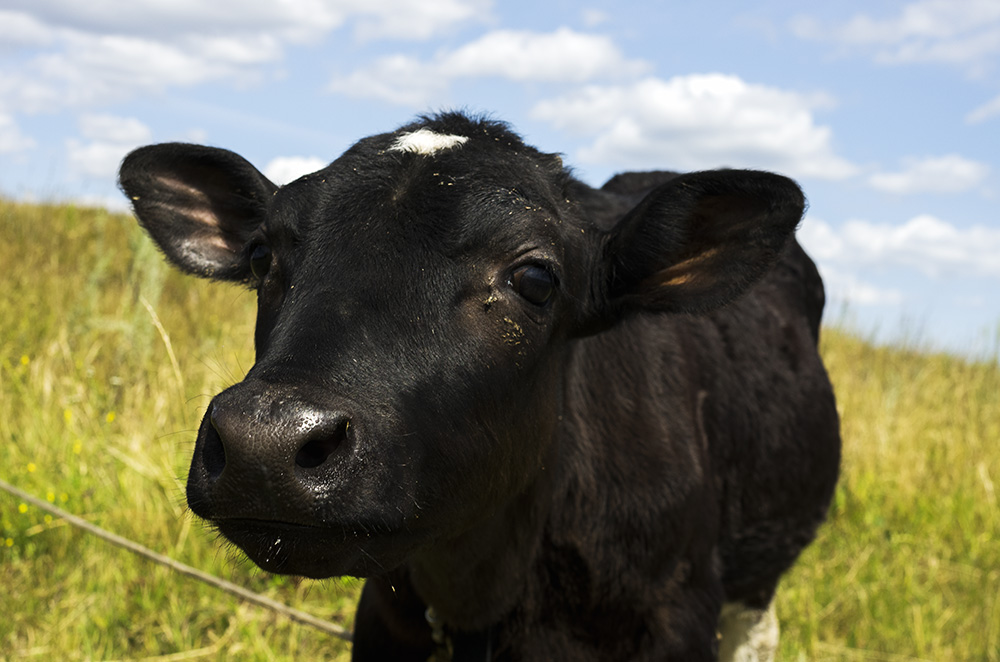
[[221, 584]]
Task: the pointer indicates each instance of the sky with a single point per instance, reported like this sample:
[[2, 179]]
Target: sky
[[886, 112]]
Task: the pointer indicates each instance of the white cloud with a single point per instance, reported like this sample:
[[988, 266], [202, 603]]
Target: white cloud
[[964, 33], [944, 174], [69, 54], [699, 121], [28, 93], [92, 70], [95, 160], [89, 70], [397, 79], [21, 29], [925, 243], [285, 169], [594, 17], [825, 245], [415, 19], [843, 286], [109, 139], [560, 56], [295, 20], [563, 56], [984, 112], [289, 20], [11, 138], [110, 128]]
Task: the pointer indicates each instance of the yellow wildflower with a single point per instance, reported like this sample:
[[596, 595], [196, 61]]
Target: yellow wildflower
[[22, 508]]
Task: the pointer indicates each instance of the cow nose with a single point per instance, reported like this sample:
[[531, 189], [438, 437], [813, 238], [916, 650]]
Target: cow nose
[[264, 453], [312, 434]]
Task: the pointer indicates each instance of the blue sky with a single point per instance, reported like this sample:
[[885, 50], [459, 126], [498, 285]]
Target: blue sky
[[887, 113]]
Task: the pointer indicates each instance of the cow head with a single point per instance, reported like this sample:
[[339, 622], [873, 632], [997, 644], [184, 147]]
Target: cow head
[[417, 302]]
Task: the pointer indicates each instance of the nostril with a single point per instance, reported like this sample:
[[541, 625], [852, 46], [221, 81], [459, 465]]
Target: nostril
[[213, 453], [321, 446], [315, 453]]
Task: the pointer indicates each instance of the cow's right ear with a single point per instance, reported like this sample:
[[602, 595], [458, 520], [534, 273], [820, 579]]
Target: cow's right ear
[[199, 204], [694, 244]]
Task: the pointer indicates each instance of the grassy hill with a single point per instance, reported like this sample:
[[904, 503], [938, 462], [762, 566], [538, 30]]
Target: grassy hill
[[108, 359]]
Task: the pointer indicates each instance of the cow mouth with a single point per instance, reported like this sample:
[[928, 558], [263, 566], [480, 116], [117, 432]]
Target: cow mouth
[[318, 553]]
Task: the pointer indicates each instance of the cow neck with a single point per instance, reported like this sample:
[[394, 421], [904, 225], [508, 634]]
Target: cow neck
[[476, 579], [459, 646]]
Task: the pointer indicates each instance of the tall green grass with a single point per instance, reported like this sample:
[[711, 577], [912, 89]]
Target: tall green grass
[[908, 567], [108, 359]]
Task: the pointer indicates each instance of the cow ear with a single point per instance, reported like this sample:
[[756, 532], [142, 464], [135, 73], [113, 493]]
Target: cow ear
[[698, 241], [199, 204]]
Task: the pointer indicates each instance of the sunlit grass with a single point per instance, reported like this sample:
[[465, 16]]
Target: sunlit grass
[[908, 566], [108, 359], [96, 417]]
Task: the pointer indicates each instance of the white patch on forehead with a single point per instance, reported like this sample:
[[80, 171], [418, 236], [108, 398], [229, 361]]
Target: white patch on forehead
[[426, 142]]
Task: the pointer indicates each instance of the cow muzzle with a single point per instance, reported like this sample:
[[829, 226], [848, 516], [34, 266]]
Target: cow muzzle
[[268, 452], [304, 484]]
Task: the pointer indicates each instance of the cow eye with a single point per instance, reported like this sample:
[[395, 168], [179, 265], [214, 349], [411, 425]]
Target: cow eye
[[260, 261], [534, 283]]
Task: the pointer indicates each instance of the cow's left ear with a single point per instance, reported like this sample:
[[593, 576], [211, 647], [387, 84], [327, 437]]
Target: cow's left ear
[[697, 242]]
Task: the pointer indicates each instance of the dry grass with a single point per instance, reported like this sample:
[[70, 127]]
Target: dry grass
[[909, 565], [108, 358], [98, 409]]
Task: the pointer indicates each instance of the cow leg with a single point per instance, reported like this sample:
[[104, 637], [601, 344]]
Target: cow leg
[[747, 634]]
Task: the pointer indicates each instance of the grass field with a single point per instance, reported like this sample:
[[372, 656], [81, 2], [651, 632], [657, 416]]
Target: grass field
[[108, 358]]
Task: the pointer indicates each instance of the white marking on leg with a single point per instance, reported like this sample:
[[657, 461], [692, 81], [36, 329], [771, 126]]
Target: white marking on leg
[[747, 635], [426, 142]]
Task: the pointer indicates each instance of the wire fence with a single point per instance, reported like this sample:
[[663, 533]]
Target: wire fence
[[221, 584]]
